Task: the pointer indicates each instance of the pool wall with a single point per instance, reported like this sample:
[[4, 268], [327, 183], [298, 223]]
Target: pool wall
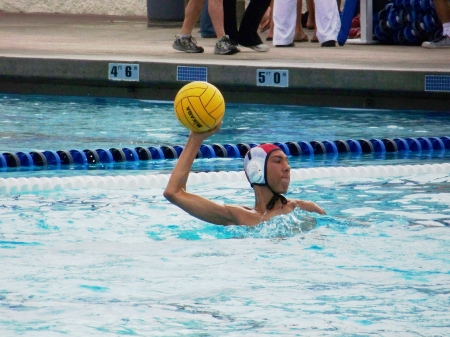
[[354, 88]]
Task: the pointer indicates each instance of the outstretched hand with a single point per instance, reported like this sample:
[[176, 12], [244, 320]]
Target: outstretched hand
[[203, 135]]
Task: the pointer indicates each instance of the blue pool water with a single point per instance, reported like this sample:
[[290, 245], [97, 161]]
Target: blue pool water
[[29, 123], [94, 262], [100, 262]]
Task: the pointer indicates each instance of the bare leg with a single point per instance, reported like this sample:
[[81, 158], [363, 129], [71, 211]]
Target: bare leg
[[266, 20], [311, 22], [443, 10], [191, 15], [272, 25], [299, 33], [216, 14]]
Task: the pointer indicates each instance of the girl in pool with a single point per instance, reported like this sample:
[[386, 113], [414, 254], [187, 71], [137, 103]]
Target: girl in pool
[[268, 171]]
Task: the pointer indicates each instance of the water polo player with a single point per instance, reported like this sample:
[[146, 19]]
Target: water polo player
[[268, 171]]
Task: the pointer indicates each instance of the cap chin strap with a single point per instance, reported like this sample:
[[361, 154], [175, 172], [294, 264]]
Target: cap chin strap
[[275, 198]]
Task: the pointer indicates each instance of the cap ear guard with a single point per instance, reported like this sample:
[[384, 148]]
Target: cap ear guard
[[255, 172], [255, 163]]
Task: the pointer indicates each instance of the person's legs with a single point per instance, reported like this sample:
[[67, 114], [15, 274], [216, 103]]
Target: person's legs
[[443, 12], [224, 45], [206, 26], [216, 13], [300, 35], [266, 19], [328, 22], [272, 25], [284, 18], [230, 19], [311, 22], [191, 15], [248, 30], [185, 42]]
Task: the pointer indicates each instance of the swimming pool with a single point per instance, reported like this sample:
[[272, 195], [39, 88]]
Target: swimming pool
[[113, 258]]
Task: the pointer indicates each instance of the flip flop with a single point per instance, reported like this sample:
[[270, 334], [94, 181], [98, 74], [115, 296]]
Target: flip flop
[[315, 40], [269, 38], [303, 39]]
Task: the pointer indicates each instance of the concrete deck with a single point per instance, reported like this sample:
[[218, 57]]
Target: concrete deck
[[70, 55]]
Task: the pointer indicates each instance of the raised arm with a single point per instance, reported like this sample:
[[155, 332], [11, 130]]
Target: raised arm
[[195, 205]]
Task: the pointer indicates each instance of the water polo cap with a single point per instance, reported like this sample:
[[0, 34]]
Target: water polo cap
[[255, 167], [255, 163]]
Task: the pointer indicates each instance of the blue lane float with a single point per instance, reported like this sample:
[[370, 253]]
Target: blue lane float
[[232, 151], [130, 154], [378, 145], [355, 146], [52, 158], [63, 158], [105, 156], [207, 151], [156, 152], [25, 159]]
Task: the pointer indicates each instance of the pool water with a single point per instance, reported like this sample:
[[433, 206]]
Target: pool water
[[95, 262], [110, 261]]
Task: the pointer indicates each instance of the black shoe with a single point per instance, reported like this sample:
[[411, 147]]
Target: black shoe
[[330, 43], [286, 45]]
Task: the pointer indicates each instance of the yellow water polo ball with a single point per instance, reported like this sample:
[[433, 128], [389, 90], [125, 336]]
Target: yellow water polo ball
[[199, 106]]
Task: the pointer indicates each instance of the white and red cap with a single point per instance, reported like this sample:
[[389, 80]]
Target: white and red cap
[[255, 163], [255, 167]]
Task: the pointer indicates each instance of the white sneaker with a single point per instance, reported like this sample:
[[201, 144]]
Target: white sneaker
[[441, 42], [260, 47]]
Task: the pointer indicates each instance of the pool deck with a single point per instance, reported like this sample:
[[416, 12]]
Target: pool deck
[[70, 55]]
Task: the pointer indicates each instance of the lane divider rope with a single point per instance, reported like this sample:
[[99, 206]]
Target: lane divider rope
[[64, 159], [135, 182]]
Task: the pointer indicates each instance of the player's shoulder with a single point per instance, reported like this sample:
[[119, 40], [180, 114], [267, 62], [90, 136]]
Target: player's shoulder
[[306, 205], [243, 215]]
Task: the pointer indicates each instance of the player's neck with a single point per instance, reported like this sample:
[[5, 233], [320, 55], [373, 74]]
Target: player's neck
[[263, 195]]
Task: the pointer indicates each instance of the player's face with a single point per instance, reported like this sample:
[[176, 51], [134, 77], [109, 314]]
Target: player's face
[[278, 171]]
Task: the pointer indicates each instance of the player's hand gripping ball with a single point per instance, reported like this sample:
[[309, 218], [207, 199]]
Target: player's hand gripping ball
[[199, 106]]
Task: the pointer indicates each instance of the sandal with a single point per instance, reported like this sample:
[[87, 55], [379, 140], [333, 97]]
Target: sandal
[[303, 39]]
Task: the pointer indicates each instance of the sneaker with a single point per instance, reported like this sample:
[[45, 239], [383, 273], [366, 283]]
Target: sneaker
[[260, 48], [234, 43], [441, 42], [224, 46], [187, 44]]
